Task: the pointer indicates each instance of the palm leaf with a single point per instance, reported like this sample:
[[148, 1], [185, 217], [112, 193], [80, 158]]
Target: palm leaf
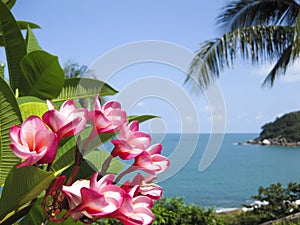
[[259, 43], [244, 13], [75, 88], [279, 68], [296, 39], [9, 115], [15, 48]]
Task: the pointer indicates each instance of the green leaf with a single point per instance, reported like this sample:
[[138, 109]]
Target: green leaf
[[24, 25], [15, 48], [9, 115], [9, 3], [33, 108], [97, 158], [23, 185], [35, 216], [31, 41], [92, 163], [27, 99], [43, 73], [2, 66], [66, 153], [75, 88], [30, 105], [141, 118]]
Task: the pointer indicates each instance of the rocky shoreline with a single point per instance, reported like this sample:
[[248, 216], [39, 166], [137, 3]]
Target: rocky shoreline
[[278, 141]]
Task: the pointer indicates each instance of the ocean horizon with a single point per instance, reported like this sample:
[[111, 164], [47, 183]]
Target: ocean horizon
[[233, 176]]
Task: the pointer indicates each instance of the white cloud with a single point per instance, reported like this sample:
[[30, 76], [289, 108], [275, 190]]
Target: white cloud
[[140, 104], [292, 73], [259, 117]]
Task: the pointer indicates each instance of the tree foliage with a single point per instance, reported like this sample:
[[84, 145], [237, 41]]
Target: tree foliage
[[286, 126], [262, 31]]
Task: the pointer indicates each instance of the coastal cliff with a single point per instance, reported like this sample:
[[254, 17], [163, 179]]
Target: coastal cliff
[[284, 131]]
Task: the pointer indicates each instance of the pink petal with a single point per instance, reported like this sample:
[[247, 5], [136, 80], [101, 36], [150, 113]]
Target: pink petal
[[137, 180], [67, 107], [142, 201], [71, 128], [126, 207], [144, 213], [73, 192], [105, 180], [29, 129], [155, 149], [133, 126], [47, 139], [97, 105], [99, 120], [111, 104], [54, 119], [124, 150], [144, 159], [14, 134], [162, 161], [30, 160], [92, 202], [50, 105]]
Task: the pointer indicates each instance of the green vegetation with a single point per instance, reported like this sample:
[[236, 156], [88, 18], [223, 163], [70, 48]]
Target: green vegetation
[[286, 127], [174, 211]]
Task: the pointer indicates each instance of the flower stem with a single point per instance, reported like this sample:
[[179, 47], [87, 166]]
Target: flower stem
[[105, 165], [77, 163], [128, 170]]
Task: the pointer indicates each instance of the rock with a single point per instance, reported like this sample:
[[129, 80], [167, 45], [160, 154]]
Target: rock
[[266, 142]]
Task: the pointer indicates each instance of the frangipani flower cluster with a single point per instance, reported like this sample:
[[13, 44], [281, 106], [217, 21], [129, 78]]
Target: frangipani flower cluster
[[37, 141]]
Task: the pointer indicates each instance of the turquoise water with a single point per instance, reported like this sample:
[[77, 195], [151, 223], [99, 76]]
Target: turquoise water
[[235, 174]]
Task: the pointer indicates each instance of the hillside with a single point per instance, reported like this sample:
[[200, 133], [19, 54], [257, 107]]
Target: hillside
[[285, 130]]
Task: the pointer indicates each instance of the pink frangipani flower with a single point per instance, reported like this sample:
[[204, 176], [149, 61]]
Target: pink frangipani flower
[[108, 118], [131, 142], [144, 186], [68, 121], [93, 198], [134, 211], [33, 142], [151, 161]]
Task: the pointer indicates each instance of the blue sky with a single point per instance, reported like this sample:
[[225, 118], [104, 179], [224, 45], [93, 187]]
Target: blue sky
[[83, 33]]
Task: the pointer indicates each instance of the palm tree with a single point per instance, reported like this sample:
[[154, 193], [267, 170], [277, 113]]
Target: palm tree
[[263, 31]]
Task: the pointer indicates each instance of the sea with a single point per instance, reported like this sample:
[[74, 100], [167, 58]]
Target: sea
[[232, 177]]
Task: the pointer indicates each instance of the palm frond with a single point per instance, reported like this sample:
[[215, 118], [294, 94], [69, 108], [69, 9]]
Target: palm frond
[[279, 68], [296, 39], [244, 13], [259, 43]]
